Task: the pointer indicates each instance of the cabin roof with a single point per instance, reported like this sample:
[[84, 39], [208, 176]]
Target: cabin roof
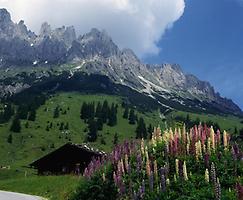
[[65, 148]]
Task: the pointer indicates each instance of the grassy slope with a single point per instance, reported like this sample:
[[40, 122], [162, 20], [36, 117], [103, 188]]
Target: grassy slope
[[35, 141], [226, 122]]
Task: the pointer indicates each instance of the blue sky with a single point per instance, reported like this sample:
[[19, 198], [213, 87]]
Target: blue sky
[[207, 41]]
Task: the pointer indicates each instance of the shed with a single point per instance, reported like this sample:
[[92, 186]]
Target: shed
[[69, 158]]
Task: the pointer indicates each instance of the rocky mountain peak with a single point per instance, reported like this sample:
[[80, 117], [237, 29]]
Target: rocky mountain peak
[[4, 16], [99, 54], [96, 43], [45, 30]]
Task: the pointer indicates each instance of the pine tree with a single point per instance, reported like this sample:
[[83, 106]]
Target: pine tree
[[105, 111], [27, 125], [132, 117], [22, 111], [83, 112], [126, 112], [32, 115], [10, 139], [150, 131], [112, 119], [98, 110], [92, 134], [61, 128], [56, 112], [141, 131], [7, 113], [66, 127], [99, 124], [16, 125], [115, 139]]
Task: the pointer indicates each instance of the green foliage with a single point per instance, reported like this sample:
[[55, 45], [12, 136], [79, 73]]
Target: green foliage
[[132, 117], [92, 134], [10, 139], [32, 115], [7, 113], [126, 113], [16, 125], [56, 112], [141, 131], [97, 188]]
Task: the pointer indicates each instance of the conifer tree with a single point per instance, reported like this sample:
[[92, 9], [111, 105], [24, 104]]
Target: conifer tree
[[10, 139], [32, 115], [16, 125], [22, 111], [105, 111], [141, 131], [56, 112], [112, 119], [98, 110], [132, 117], [126, 112], [83, 112], [92, 134], [150, 131], [115, 139], [99, 124]]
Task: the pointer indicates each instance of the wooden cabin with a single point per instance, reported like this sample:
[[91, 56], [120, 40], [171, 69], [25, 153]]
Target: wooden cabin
[[69, 158]]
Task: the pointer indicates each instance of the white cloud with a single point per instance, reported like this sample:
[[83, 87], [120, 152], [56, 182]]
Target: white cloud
[[136, 24]]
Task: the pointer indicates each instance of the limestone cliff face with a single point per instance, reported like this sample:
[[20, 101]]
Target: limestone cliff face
[[95, 52]]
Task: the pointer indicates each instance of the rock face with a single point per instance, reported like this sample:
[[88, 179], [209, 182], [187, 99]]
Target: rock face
[[96, 53]]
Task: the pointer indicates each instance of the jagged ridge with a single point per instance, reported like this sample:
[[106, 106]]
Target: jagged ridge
[[95, 52]]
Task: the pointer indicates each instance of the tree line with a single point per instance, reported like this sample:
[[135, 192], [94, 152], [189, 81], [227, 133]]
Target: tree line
[[142, 131], [95, 116]]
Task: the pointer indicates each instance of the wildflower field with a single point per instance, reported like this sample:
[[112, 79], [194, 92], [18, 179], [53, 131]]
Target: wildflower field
[[200, 163]]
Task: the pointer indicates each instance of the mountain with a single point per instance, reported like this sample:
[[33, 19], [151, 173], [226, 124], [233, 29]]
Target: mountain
[[96, 53]]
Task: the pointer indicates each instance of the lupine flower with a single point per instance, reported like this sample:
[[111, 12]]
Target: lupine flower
[[185, 171], [163, 183], [175, 179], [142, 147], [103, 177], [115, 178], [148, 170], [207, 176], [155, 170], [167, 181], [212, 138], [198, 150], [177, 166], [239, 189], [209, 146], [213, 173], [217, 189], [143, 188], [206, 160], [151, 182], [126, 162], [225, 140], [139, 162]]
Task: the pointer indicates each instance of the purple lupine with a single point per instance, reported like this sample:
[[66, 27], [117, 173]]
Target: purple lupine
[[139, 162], [206, 160], [239, 189], [86, 173], [217, 190], [233, 153], [163, 183], [213, 174], [181, 168], [151, 181], [135, 195], [143, 188]]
